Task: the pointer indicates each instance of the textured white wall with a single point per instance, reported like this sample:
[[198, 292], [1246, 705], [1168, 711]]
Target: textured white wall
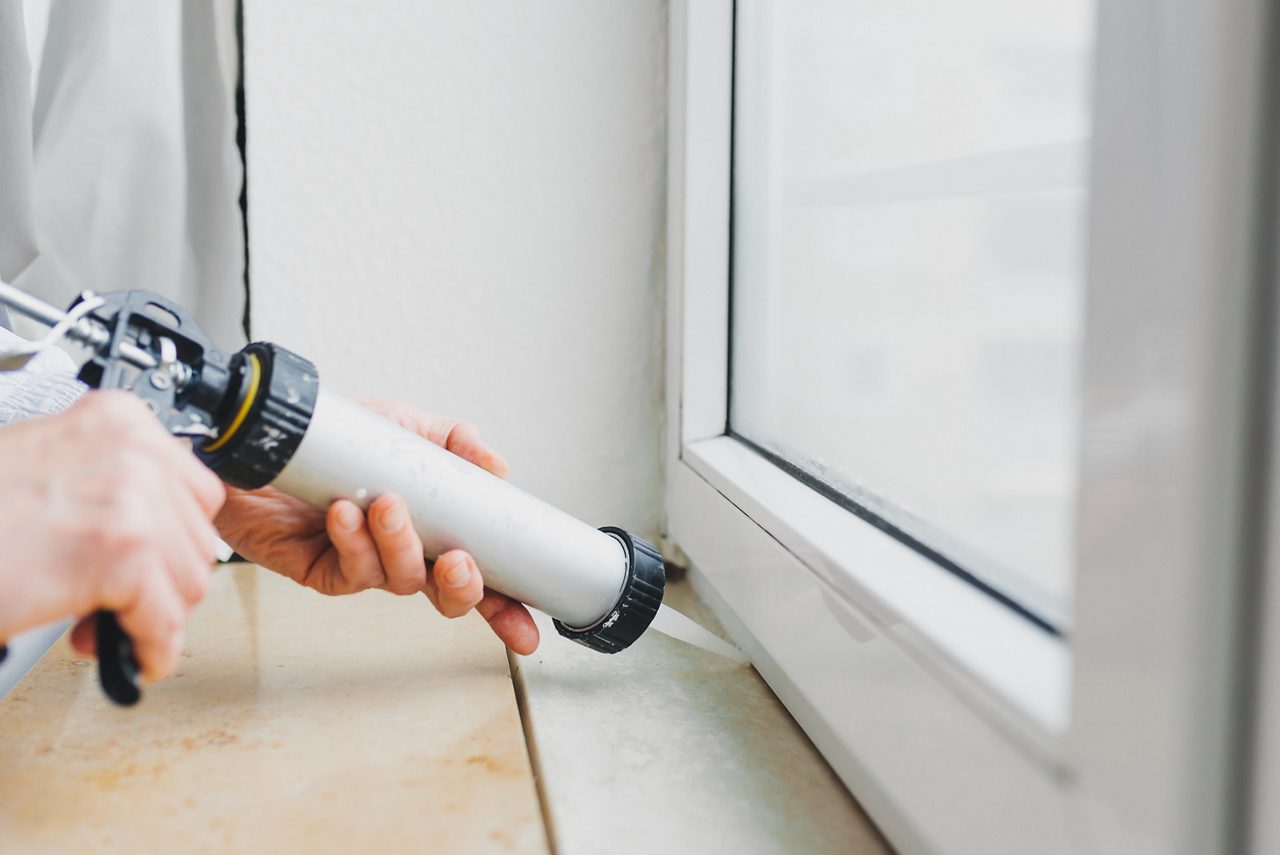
[[461, 204]]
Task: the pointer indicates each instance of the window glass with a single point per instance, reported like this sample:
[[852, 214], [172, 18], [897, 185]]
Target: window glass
[[909, 190]]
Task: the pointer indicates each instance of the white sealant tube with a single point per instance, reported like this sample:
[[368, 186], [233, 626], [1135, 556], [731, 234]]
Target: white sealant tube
[[524, 547]]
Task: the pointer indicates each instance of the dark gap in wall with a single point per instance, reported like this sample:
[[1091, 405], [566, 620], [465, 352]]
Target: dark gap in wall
[[241, 136]]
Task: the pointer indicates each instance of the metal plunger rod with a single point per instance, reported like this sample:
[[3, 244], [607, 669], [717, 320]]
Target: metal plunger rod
[[32, 307], [86, 332]]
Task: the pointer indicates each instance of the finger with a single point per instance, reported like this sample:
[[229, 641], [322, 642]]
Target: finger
[[207, 489], [83, 636], [510, 621], [159, 515], [358, 560], [399, 547], [189, 544], [175, 455], [465, 441], [434, 428], [125, 416], [459, 587], [152, 616], [461, 438]]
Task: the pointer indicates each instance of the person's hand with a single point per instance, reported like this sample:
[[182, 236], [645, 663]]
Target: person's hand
[[344, 551], [100, 508]]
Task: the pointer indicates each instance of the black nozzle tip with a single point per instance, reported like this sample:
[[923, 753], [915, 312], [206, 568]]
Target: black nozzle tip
[[636, 608]]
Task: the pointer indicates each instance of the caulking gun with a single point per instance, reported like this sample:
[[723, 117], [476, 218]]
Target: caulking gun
[[261, 416]]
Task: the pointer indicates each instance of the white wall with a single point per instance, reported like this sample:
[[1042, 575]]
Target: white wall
[[461, 204]]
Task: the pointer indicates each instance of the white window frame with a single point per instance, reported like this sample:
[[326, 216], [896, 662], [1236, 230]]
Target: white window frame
[[958, 725]]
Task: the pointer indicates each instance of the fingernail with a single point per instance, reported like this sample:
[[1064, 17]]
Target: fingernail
[[393, 520], [458, 575], [349, 517]]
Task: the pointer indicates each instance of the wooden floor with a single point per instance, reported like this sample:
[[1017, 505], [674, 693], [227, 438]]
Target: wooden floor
[[368, 723]]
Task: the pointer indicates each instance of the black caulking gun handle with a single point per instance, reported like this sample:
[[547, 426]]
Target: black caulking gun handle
[[117, 665]]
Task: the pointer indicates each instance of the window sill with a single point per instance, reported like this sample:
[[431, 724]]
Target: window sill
[[669, 748], [937, 614]]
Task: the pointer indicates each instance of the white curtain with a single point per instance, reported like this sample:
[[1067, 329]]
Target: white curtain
[[135, 179]]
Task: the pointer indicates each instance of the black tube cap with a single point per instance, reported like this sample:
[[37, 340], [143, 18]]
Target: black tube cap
[[636, 608], [277, 418]]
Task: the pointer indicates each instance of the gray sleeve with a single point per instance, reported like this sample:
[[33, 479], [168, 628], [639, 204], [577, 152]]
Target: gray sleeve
[[45, 386]]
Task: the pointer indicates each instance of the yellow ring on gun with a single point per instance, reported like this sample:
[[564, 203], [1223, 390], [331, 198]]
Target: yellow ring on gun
[[255, 378]]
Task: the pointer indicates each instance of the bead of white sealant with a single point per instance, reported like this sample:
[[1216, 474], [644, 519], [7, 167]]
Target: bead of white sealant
[[524, 547]]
